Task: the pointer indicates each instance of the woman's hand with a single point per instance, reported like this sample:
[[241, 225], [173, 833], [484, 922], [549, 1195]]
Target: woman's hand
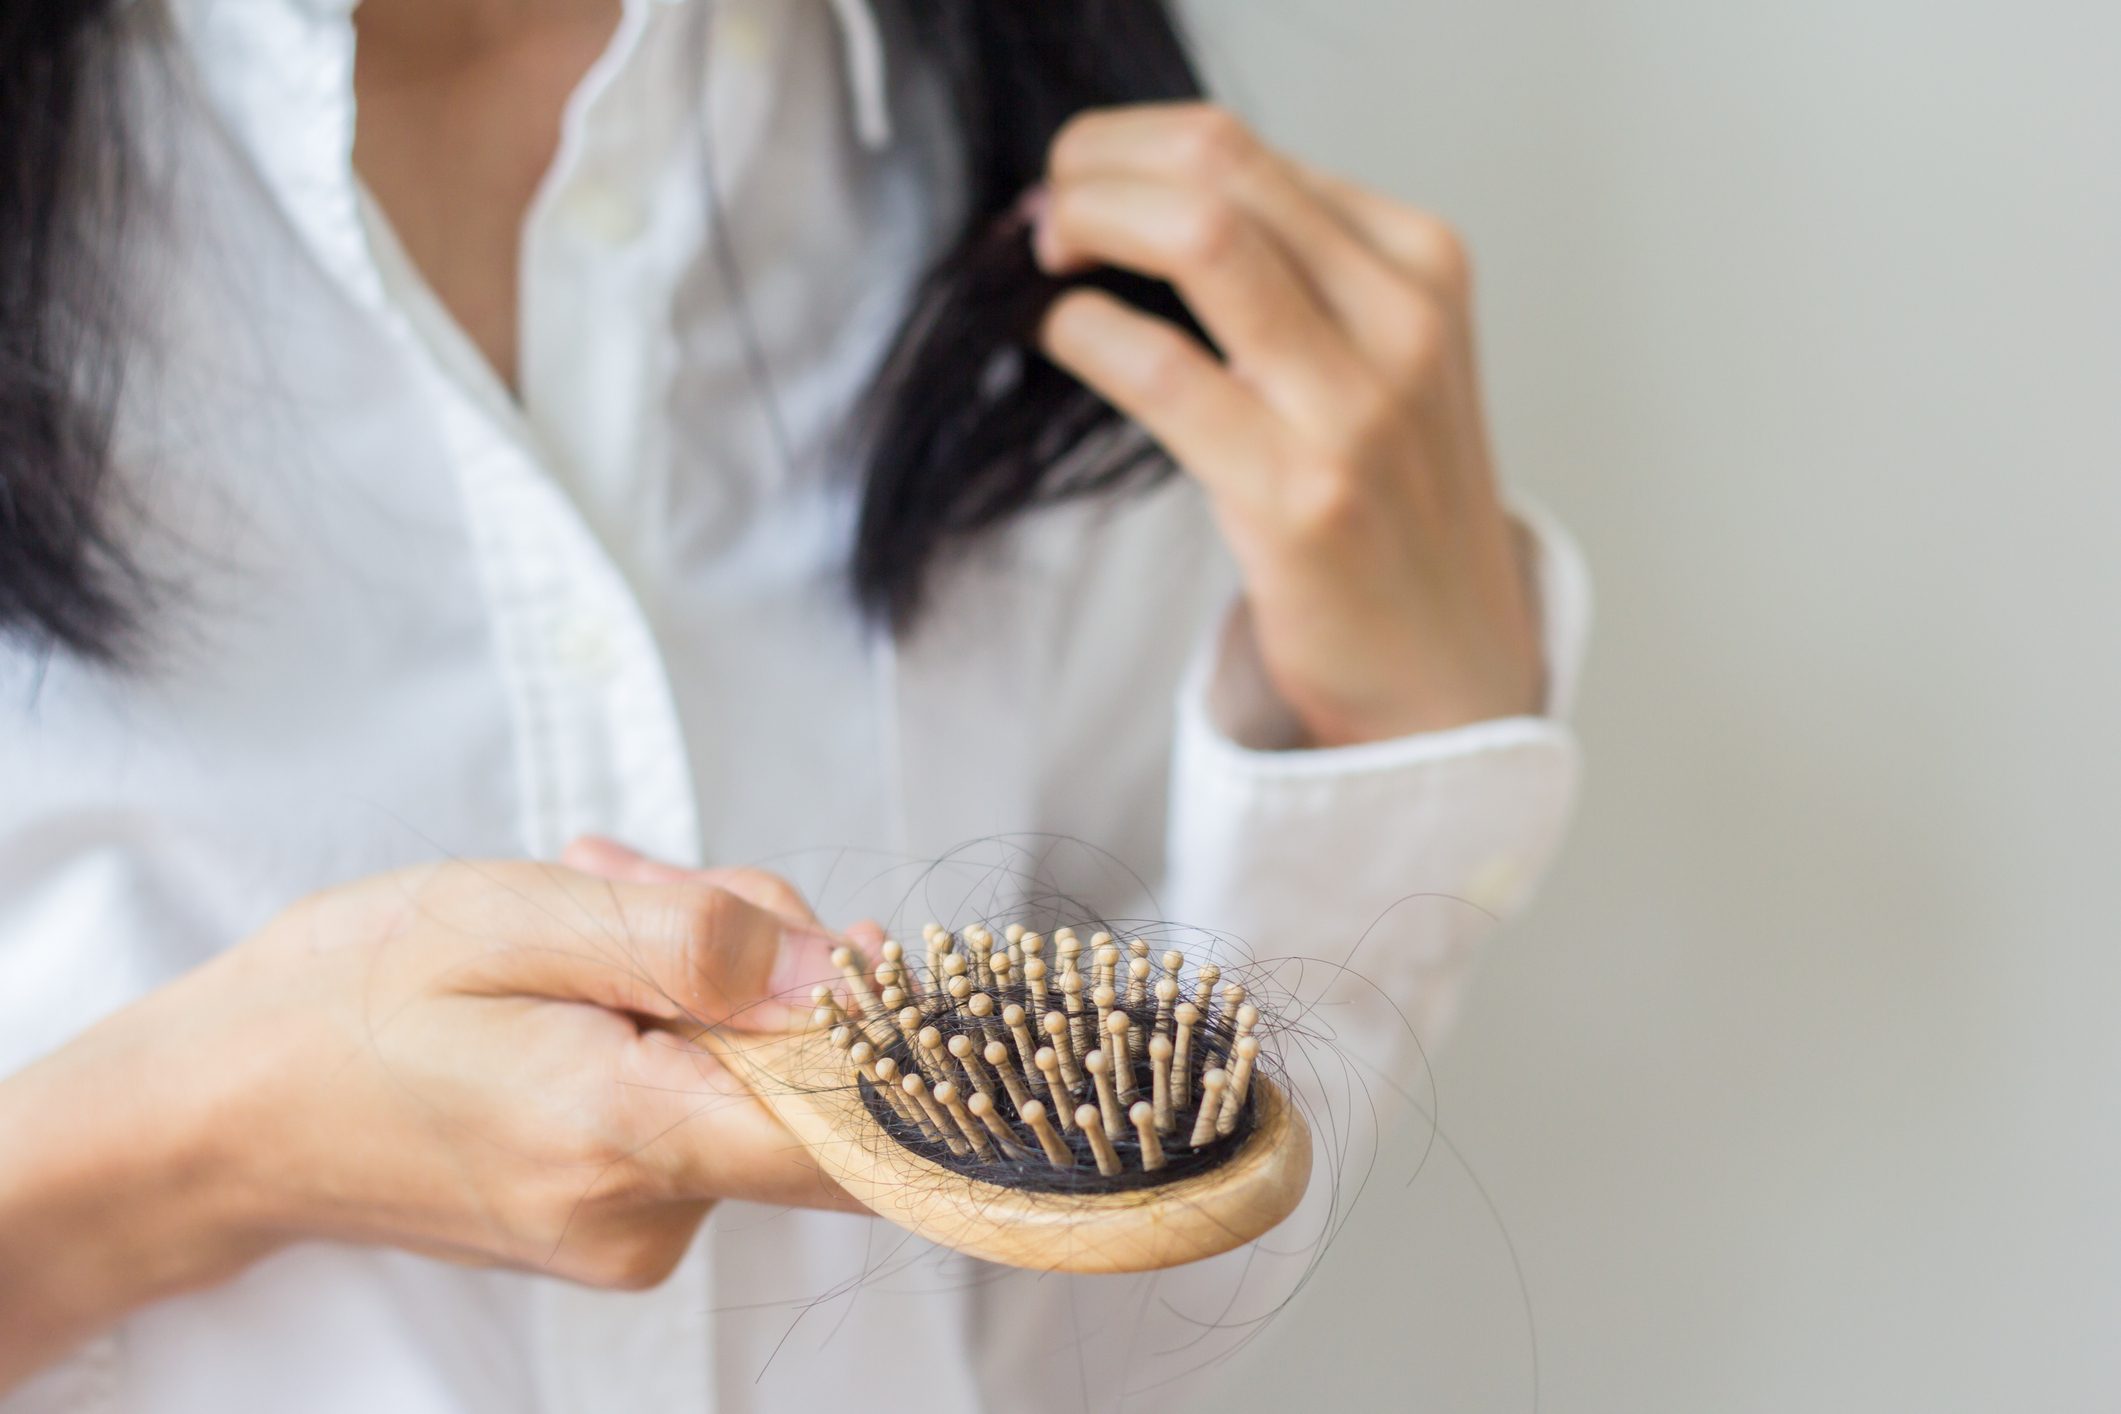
[[1339, 435], [481, 1062]]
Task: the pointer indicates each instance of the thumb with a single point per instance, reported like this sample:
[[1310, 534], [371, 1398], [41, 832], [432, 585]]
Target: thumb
[[805, 956], [684, 953]]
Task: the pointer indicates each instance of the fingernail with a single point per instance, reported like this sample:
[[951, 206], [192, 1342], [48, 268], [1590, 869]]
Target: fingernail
[[586, 850], [608, 859], [1032, 206], [1035, 209]]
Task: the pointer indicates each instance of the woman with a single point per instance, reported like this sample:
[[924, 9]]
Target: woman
[[442, 432]]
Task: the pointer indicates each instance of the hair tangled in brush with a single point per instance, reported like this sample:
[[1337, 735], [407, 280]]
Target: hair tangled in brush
[[1055, 1076]]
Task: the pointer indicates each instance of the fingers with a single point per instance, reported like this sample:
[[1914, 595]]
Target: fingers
[[1207, 149], [608, 859], [1161, 377], [708, 949], [675, 951], [1420, 244], [768, 891], [805, 956], [1384, 271], [1205, 145], [1239, 282]]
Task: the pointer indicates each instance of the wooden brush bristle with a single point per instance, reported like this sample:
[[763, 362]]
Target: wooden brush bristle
[[994, 1063]]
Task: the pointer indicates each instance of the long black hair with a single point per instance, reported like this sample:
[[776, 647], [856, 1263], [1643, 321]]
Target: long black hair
[[65, 579], [964, 427]]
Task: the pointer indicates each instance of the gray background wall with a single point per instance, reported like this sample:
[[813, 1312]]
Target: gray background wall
[[1799, 1092]]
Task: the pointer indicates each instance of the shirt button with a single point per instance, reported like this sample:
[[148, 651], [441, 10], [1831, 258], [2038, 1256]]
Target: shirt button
[[1495, 885], [602, 213], [745, 35], [582, 643]]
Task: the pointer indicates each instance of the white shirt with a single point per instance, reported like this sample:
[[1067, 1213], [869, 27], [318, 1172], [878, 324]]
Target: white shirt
[[407, 616]]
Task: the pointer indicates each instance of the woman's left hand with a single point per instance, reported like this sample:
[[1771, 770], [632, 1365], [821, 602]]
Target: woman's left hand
[[1339, 436]]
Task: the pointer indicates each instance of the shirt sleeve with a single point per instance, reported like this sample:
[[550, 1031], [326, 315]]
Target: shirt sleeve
[[1394, 859], [1358, 885]]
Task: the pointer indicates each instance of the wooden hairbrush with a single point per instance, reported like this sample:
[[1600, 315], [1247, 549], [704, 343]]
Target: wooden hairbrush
[[1049, 1115]]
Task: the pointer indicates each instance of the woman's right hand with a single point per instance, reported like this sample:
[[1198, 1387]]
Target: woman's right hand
[[483, 1062]]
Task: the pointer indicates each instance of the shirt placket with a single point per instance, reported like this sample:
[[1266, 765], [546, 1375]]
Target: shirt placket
[[551, 489], [597, 744], [623, 214], [607, 239]]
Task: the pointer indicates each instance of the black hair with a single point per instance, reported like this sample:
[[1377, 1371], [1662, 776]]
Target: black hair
[[65, 579], [968, 427], [964, 427]]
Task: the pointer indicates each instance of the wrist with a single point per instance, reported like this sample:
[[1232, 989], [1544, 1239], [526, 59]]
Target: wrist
[[115, 1193], [1444, 694], [1376, 672]]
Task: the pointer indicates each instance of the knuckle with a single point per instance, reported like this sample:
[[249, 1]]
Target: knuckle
[[537, 1216], [733, 940], [1073, 133], [710, 920], [1165, 367], [620, 1143], [1374, 409], [1325, 503], [704, 912], [586, 1149], [1214, 142], [633, 1262], [763, 890], [1064, 209], [718, 911], [781, 896], [1211, 230], [591, 1162], [1443, 252]]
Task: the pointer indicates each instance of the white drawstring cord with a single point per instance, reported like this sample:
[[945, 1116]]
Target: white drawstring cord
[[866, 74]]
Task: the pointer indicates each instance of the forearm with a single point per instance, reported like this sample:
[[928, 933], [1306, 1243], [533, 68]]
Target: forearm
[[109, 1198], [440, 1060]]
